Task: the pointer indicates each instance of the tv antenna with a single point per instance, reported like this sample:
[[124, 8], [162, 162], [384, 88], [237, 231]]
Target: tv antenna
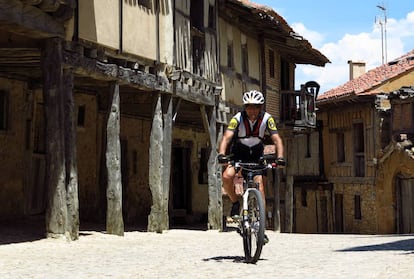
[[382, 21]]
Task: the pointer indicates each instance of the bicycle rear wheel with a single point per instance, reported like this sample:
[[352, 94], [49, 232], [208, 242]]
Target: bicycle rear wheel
[[253, 230]]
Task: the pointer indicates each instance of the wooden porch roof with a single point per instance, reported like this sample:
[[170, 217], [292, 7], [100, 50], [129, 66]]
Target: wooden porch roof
[[263, 20]]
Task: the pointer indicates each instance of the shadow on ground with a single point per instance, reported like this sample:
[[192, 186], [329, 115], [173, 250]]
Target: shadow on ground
[[22, 230], [236, 259], [406, 245], [33, 228]]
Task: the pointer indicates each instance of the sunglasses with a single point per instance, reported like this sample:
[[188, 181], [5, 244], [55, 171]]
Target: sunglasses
[[254, 106]]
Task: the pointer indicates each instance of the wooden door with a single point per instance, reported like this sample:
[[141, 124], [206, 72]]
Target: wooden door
[[405, 205]]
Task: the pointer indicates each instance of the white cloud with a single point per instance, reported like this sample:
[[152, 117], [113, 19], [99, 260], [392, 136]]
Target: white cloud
[[366, 47], [312, 36]]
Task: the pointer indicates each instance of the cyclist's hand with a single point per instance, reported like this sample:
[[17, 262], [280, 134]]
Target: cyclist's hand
[[280, 162], [222, 159]]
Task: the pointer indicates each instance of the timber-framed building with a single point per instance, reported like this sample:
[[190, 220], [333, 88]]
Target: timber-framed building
[[111, 110]]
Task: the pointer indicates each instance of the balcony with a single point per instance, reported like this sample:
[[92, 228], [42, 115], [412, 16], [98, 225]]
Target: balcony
[[298, 107]]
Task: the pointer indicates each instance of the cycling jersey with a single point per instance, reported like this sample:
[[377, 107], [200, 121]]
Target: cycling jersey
[[248, 135]]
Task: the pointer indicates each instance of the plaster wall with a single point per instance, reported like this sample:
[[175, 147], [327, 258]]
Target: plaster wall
[[12, 150]]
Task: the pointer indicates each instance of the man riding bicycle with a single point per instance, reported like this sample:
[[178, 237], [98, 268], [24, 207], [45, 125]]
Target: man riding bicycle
[[245, 132]]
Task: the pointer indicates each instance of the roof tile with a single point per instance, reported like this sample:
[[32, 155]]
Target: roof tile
[[367, 83]]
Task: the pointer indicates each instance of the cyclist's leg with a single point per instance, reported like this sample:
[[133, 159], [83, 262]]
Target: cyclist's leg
[[261, 180], [227, 177]]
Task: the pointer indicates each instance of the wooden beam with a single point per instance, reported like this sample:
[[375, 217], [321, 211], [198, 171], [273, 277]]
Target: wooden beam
[[114, 220], [17, 17]]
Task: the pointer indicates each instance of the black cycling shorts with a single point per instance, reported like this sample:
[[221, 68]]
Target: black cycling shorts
[[248, 154]]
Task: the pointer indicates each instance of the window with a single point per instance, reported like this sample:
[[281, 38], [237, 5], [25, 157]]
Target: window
[[211, 17], [4, 104], [81, 116], [308, 145], [340, 147], [198, 55], [230, 62], [146, 3], [197, 14], [359, 149], [271, 63], [284, 75], [245, 59], [357, 207]]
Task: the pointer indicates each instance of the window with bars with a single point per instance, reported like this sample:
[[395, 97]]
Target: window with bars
[[359, 149]]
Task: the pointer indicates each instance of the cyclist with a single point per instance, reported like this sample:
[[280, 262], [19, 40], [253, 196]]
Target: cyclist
[[245, 132]]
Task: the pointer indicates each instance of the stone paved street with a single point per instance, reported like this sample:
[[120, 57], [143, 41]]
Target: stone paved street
[[207, 254]]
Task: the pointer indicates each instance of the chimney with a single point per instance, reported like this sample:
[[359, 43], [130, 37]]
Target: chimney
[[356, 69]]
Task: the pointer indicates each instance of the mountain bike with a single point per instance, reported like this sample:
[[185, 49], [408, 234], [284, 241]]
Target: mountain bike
[[251, 222]]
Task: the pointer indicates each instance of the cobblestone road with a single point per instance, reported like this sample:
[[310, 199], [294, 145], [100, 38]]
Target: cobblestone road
[[208, 254]]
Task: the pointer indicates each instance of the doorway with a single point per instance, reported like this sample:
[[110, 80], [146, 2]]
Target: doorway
[[405, 208], [180, 192], [339, 213]]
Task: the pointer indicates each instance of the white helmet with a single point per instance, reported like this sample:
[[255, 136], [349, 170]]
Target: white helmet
[[253, 97]]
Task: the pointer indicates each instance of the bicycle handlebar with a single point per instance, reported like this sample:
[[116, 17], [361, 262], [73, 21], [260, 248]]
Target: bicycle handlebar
[[267, 161]]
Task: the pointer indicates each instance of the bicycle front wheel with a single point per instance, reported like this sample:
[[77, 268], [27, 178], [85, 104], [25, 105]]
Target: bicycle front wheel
[[253, 229]]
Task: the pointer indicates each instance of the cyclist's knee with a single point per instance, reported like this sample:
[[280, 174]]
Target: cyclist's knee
[[227, 177], [228, 174]]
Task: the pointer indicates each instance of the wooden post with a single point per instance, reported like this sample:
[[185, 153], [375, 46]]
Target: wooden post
[[157, 221], [166, 147], [276, 199], [56, 211], [114, 220], [289, 200], [215, 205], [70, 154]]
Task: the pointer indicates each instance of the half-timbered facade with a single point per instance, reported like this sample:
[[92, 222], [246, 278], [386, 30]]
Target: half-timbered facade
[[101, 102], [110, 111], [366, 150]]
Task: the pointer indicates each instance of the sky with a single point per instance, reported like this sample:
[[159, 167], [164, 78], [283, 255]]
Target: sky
[[356, 30]]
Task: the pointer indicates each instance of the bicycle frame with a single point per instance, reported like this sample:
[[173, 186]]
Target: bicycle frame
[[253, 221]]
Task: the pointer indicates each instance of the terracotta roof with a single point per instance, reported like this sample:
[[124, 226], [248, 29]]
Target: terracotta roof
[[264, 19], [368, 83]]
